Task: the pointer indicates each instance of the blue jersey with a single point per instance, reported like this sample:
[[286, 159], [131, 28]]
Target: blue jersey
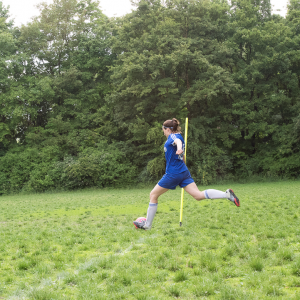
[[175, 163]]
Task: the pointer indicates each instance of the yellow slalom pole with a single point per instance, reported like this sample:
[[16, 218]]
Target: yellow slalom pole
[[182, 190]]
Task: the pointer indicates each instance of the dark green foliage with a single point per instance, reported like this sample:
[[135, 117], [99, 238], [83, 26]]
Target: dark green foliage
[[73, 87], [34, 170]]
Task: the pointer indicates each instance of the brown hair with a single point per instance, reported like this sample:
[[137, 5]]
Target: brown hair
[[173, 125]]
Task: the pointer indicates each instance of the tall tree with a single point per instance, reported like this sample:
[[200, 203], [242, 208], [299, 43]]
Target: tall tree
[[68, 46], [7, 50], [55, 100], [175, 68], [264, 106]]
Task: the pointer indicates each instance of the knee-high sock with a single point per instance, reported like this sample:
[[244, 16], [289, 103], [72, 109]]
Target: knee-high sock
[[151, 214], [215, 194]]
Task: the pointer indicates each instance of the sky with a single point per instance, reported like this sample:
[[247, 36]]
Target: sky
[[23, 10]]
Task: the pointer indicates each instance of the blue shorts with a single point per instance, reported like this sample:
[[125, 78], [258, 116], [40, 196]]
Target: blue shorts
[[170, 181]]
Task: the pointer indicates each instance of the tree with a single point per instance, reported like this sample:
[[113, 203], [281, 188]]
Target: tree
[[69, 47], [264, 106], [56, 96], [7, 51], [175, 68]]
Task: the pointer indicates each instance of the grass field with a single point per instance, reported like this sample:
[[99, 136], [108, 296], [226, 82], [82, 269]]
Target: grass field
[[83, 245]]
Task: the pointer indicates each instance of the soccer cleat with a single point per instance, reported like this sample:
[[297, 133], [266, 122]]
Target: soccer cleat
[[232, 197], [140, 224]]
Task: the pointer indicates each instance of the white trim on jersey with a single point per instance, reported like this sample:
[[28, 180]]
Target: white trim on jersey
[[173, 136]]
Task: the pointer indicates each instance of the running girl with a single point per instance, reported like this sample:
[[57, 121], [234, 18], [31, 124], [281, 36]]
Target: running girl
[[176, 174]]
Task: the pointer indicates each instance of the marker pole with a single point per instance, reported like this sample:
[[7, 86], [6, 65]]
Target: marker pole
[[182, 190]]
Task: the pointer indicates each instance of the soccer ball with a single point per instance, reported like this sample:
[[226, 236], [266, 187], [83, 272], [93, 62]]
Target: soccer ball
[[140, 220]]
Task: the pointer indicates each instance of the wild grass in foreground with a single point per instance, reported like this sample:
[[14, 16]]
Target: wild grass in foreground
[[83, 245]]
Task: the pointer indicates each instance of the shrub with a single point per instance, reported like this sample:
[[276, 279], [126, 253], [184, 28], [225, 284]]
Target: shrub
[[95, 167], [35, 170]]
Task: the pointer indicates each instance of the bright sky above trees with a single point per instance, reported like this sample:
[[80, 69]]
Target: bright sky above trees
[[22, 11]]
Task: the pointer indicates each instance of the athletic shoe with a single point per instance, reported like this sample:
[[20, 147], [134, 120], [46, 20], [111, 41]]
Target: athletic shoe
[[140, 225], [232, 197]]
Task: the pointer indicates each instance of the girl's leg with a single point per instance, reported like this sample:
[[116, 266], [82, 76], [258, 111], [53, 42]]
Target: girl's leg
[[193, 190], [155, 193]]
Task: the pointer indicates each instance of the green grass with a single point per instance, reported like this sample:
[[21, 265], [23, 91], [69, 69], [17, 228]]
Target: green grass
[[83, 245]]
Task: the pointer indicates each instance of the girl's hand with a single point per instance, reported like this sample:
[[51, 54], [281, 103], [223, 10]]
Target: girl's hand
[[178, 152]]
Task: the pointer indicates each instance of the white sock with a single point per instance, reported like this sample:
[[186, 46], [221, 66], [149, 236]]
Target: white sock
[[215, 194], [151, 214]]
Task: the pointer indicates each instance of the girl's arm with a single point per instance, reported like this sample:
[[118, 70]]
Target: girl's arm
[[178, 143], [179, 151]]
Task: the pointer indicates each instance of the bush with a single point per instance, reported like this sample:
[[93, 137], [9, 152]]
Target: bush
[[95, 167], [34, 170], [212, 164], [15, 169]]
